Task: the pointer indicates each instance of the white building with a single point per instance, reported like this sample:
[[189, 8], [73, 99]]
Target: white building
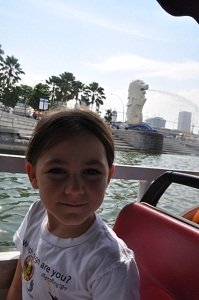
[[156, 122], [114, 116], [184, 121]]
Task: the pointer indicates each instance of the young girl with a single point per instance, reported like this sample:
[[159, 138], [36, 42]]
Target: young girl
[[67, 252]]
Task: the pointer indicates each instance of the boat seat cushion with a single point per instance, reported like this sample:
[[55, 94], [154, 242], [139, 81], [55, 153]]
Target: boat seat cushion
[[166, 251]]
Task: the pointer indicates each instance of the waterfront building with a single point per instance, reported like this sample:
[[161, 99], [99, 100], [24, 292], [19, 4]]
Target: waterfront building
[[184, 121], [114, 116], [156, 122]]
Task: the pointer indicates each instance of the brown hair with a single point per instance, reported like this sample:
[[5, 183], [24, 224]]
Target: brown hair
[[56, 126]]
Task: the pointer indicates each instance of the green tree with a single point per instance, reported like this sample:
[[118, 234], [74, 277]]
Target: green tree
[[11, 71], [108, 116], [1, 54], [54, 89], [84, 101], [25, 94], [10, 96], [94, 95], [40, 91], [77, 89], [63, 88], [66, 87]]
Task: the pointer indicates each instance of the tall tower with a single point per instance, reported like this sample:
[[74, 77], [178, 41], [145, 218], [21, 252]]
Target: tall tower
[[184, 121]]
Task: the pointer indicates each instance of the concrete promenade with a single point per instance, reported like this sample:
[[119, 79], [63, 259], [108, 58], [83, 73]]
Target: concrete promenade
[[170, 146], [24, 127]]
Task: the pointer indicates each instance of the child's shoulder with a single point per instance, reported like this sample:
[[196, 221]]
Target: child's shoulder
[[36, 211], [112, 244], [36, 207]]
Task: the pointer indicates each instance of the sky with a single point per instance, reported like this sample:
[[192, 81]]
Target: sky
[[110, 42]]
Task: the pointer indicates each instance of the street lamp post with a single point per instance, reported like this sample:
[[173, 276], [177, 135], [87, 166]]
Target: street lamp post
[[120, 101]]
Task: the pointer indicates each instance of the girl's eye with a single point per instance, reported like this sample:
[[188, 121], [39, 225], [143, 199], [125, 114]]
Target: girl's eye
[[56, 171], [92, 172]]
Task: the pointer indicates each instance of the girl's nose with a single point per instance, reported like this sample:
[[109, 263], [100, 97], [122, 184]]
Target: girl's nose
[[74, 185]]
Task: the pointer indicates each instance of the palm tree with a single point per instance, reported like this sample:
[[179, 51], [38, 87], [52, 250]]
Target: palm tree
[[78, 88], [95, 94], [66, 86], [11, 71], [1, 53], [55, 93]]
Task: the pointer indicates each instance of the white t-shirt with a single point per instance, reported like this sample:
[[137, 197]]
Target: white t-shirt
[[96, 265]]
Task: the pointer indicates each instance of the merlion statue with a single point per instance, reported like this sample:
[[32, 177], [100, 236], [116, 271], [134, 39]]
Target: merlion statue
[[136, 99]]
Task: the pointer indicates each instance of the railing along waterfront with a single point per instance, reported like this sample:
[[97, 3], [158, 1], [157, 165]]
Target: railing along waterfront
[[16, 164]]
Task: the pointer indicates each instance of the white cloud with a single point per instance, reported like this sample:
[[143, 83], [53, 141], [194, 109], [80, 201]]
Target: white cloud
[[33, 79], [149, 67], [78, 13]]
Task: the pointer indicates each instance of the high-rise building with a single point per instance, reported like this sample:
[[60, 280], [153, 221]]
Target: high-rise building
[[184, 121]]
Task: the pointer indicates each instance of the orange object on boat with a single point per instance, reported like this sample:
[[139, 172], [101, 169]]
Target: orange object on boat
[[195, 217]]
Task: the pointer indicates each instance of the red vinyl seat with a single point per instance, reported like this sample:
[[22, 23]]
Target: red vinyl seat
[[166, 251]]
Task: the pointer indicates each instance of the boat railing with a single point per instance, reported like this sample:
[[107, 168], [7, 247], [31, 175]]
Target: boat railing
[[145, 175], [16, 164]]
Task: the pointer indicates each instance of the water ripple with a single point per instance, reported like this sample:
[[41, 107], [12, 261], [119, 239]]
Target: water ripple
[[16, 193]]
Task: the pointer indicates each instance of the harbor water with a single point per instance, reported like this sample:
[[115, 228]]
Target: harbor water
[[16, 194]]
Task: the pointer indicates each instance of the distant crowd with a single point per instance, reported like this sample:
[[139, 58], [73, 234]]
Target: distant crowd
[[35, 114]]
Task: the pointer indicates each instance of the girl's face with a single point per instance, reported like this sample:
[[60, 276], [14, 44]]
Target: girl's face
[[72, 178]]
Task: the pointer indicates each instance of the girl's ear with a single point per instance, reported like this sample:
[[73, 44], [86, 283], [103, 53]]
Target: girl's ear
[[30, 170], [111, 172]]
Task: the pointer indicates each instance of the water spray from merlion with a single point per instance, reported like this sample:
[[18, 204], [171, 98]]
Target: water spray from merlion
[[178, 97]]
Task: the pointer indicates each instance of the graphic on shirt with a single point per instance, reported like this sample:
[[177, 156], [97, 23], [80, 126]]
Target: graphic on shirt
[[30, 286], [50, 275], [53, 297], [28, 268]]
